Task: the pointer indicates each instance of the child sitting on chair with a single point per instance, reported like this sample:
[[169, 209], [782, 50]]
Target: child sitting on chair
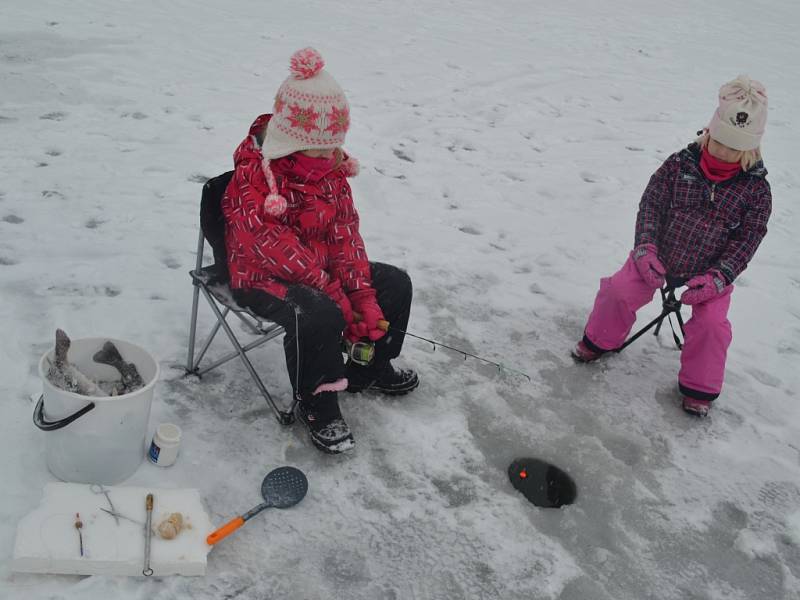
[[701, 219], [296, 256]]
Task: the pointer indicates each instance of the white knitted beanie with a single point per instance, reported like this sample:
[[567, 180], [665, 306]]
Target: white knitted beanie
[[741, 116], [310, 112]]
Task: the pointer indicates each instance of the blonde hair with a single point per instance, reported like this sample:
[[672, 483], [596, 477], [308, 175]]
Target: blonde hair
[[749, 157]]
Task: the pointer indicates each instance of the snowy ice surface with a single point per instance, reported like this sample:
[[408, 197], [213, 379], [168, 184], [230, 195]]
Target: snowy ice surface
[[504, 147]]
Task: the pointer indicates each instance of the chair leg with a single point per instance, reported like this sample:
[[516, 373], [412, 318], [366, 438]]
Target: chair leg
[[190, 367], [669, 305], [235, 354], [209, 338], [283, 417]]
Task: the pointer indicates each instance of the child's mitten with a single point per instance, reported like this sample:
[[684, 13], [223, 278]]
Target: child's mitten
[[645, 257], [336, 293], [703, 288], [364, 302]]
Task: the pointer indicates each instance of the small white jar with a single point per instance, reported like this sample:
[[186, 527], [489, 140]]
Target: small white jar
[[164, 447]]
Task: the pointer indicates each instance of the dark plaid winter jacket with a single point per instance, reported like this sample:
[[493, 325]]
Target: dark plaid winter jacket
[[698, 225], [313, 243]]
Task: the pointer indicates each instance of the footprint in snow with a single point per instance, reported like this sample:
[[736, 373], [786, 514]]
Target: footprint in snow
[[764, 378], [402, 155], [93, 223], [198, 178], [14, 219], [470, 230], [89, 290], [52, 194], [382, 172], [535, 288], [513, 176], [589, 177], [5, 261], [170, 262], [54, 116], [782, 494], [53, 152]]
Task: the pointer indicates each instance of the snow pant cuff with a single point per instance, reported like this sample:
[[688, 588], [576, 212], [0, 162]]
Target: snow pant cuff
[[592, 346], [697, 394]]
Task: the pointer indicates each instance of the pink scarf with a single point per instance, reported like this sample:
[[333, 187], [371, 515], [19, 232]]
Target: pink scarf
[[717, 170], [304, 168]]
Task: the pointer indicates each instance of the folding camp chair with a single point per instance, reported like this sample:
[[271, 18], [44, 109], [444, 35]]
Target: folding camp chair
[[213, 282], [669, 304]]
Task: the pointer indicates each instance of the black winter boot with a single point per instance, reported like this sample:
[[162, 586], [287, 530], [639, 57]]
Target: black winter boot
[[325, 423], [384, 379]]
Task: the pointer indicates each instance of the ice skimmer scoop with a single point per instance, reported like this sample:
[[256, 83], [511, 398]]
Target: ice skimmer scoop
[[282, 487]]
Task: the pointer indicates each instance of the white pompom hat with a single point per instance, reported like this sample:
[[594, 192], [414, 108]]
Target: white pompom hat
[[741, 116], [310, 111]]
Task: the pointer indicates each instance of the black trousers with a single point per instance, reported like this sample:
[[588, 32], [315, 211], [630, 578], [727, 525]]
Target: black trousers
[[314, 325]]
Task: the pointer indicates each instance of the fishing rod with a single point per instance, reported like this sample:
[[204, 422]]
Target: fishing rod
[[364, 352]]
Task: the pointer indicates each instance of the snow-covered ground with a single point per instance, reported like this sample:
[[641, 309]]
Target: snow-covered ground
[[504, 146]]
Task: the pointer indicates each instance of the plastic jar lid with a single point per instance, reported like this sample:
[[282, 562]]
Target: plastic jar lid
[[169, 433]]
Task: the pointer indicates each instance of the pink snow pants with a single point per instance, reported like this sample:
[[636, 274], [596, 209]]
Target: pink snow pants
[[707, 333]]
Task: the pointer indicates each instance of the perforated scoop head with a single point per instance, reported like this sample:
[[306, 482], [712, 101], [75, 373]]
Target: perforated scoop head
[[284, 487]]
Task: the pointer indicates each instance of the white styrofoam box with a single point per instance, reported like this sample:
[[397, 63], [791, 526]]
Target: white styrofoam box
[[47, 540]]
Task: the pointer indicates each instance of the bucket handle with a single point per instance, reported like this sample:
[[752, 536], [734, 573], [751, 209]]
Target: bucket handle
[[44, 425]]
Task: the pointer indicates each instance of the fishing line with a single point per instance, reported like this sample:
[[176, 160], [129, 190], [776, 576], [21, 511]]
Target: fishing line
[[500, 366]]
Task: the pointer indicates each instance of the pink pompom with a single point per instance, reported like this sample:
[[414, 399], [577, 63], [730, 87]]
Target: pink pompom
[[350, 167], [275, 204], [306, 63]]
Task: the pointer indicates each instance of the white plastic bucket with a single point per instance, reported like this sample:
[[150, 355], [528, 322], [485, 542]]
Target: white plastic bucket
[[93, 439]]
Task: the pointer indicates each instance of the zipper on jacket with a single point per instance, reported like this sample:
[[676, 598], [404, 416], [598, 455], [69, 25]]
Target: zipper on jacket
[[713, 189]]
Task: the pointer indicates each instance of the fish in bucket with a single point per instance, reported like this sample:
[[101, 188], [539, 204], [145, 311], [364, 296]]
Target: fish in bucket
[[95, 407]]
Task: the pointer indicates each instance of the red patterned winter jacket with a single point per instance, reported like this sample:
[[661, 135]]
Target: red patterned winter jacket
[[698, 225], [314, 242]]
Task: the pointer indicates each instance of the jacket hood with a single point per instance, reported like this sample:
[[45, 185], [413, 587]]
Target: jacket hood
[[250, 148]]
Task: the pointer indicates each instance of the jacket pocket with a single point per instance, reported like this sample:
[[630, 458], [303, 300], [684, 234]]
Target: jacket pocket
[[691, 192]]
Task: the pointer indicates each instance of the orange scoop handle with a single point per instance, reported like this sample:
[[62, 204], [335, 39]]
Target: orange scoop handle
[[382, 325], [224, 531]]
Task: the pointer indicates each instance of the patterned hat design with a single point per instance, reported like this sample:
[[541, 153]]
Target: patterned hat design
[[310, 112]]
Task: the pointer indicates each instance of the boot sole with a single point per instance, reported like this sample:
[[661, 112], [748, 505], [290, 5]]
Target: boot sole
[[695, 413], [584, 361], [340, 447]]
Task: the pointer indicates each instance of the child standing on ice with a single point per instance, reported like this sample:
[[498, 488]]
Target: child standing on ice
[[701, 220], [296, 256]]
